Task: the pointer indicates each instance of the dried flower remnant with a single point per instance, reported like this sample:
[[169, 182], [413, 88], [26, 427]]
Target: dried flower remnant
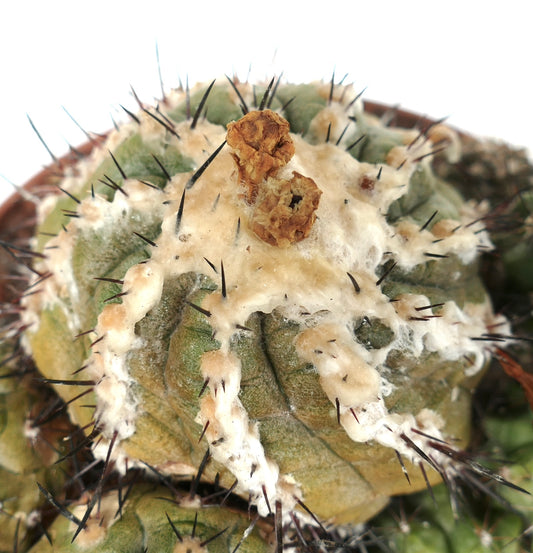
[[285, 210], [262, 145]]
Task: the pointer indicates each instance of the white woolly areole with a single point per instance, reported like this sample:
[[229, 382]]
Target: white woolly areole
[[100, 521], [350, 235], [238, 445]]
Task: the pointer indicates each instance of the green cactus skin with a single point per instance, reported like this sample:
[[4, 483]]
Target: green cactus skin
[[427, 523], [140, 523], [320, 358], [435, 529], [28, 451]]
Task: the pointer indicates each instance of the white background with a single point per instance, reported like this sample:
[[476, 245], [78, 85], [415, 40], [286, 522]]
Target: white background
[[469, 60]]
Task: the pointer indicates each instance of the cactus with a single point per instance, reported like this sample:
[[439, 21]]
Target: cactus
[[426, 522], [492, 169], [29, 448], [262, 290], [150, 519]]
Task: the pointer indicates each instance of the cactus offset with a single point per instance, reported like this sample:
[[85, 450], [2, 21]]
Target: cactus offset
[[151, 520], [288, 287]]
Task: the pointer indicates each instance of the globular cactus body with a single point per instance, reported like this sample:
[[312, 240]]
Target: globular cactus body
[[259, 283], [271, 276]]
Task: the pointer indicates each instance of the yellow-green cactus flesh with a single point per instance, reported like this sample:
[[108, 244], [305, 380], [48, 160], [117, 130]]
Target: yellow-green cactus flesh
[[29, 448]]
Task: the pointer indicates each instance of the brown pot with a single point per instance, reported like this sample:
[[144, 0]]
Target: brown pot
[[17, 218]]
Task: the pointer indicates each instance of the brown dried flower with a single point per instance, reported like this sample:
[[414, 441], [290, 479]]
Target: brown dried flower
[[262, 145], [285, 210]]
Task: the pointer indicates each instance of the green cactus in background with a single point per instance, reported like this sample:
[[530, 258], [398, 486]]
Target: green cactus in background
[[266, 295], [426, 522]]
